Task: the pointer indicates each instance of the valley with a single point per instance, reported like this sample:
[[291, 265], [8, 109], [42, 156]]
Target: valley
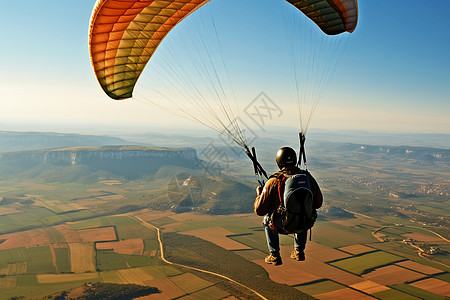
[[383, 232]]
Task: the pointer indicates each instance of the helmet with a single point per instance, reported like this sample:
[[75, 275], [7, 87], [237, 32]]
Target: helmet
[[286, 156]]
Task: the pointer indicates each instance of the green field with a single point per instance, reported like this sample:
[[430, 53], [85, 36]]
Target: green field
[[151, 244], [421, 294], [62, 259], [108, 260], [189, 283], [394, 294], [335, 235], [210, 293], [41, 260], [320, 287], [255, 241], [136, 261], [13, 256], [106, 205], [361, 264]]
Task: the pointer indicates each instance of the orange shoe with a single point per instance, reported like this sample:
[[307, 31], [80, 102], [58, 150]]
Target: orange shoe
[[298, 255], [274, 260]]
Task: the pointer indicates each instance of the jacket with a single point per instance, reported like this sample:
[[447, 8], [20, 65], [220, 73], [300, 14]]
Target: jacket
[[269, 200]]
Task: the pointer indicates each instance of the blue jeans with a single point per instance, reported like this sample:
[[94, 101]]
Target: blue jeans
[[273, 240]]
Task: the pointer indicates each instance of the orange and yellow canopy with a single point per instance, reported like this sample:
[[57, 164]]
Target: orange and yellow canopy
[[124, 34]]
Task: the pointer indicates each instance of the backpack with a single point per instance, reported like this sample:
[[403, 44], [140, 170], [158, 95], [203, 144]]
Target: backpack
[[296, 211]]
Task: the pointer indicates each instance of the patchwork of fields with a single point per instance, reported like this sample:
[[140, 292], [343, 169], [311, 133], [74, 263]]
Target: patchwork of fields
[[102, 249], [344, 259]]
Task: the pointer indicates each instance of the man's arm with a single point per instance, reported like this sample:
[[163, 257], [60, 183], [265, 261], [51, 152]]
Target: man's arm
[[262, 202]]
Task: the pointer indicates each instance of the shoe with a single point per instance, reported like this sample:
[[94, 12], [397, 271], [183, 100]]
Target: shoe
[[274, 260], [298, 255]]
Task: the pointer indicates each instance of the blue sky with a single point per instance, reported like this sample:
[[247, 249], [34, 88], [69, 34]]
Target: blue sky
[[393, 77]]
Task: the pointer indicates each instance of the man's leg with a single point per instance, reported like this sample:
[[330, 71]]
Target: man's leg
[[299, 245], [273, 243]]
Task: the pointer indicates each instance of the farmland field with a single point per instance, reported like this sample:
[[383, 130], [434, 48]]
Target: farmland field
[[344, 259], [14, 269], [57, 278], [81, 257], [62, 259], [189, 283], [361, 264], [41, 260], [333, 269]]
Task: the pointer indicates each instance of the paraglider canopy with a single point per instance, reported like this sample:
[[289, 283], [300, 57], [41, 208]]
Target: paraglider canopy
[[124, 35]]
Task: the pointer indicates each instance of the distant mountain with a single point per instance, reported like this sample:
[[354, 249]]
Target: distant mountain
[[193, 190], [21, 141], [129, 162], [392, 139], [415, 155]]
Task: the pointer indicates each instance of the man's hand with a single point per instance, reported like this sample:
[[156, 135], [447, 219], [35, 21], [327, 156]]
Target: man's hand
[[259, 190]]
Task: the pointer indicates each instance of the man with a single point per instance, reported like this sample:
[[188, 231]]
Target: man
[[268, 200]]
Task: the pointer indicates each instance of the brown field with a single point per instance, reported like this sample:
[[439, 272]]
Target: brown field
[[409, 264], [362, 220], [369, 287], [323, 253], [111, 197], [248, 217], [251, 254], [92, 202], [189, 283], [295, 272], [392, 274], [132, 246], [210, 293], [27, 238], [82, 257], [288, 273], [423, 237], [36, 186], [150, 253], [172, 227], [58, 278], [346, 222], [434, 285], [9, 282], [48, 204], [52, 204], [70, 235], [14, 269], [357, 249], [70, 206], [147, 215], [98, 234], [218, 236], [135, 276], [110, 182], [343, 294], [191, 216], [4, 210], [168, 290]]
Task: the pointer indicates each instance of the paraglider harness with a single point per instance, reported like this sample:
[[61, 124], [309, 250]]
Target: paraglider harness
[[260, 174], [295, 212]]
